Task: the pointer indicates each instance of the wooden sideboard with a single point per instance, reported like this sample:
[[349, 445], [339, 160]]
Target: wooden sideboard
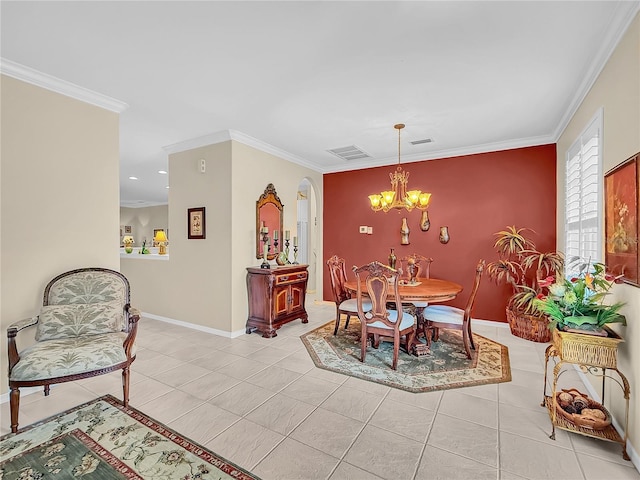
[[276, 296]]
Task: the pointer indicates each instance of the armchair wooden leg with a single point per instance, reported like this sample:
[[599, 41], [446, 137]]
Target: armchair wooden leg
[[14, 406], [125, 386], [47, 389], [346, 325]]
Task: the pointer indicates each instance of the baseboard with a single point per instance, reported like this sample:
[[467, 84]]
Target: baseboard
[[633, 455], [193, 326]]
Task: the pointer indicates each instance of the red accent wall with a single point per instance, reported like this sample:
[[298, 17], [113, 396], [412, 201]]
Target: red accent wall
[[474, 195]]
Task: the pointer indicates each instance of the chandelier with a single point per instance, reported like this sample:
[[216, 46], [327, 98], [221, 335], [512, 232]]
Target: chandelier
[[399, 197]]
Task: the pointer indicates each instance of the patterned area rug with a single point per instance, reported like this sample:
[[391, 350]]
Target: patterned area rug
[[445, 366], [102, 439]]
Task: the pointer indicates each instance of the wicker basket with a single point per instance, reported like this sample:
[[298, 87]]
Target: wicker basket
[[529, 327], [582, 420], [588, 349]]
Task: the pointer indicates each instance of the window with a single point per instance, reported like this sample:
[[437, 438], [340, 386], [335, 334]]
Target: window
[[584, 187]]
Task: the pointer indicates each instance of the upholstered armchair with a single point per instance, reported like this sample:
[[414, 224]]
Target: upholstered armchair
[[86, 327]]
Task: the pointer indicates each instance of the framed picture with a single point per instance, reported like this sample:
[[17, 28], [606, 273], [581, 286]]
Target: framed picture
[[196, 223], [622, 220], [127, 229]]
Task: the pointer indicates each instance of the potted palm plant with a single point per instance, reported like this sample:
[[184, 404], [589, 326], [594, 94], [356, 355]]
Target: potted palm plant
[[524, 267]]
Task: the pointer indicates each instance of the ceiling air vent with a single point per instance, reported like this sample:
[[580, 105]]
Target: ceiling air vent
[[349, 153], [420, 142]]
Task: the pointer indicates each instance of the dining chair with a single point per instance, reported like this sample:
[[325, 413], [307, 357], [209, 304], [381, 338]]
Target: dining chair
[[377, 281], [423, 265], [445, 316], [345, 305]]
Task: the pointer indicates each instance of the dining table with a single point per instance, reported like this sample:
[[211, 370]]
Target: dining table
[[423, 291]]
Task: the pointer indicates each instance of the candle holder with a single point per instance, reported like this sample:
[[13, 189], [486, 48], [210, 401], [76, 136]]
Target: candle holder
[[286, 249], [295, 255], [265, 252]]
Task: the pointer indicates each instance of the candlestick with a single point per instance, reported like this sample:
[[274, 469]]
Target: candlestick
[[275, 234], [286, 246], [295, 241], [286, 234], [265, 250], [295, 253]]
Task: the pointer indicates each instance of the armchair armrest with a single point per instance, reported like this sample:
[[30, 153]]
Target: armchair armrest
[[134, 318], [12, 332], [15, 327]]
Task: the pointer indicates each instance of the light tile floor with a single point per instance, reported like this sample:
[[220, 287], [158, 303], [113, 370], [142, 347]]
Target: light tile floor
[[262, 404]]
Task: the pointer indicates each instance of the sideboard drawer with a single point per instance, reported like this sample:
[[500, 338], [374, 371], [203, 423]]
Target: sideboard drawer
[[291, 278]]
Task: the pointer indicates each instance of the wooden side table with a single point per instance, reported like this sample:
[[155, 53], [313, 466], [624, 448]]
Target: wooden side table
[[276, 296], [594, 355]]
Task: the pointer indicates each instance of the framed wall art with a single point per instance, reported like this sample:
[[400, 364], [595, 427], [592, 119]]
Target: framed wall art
[[622, 220], [196, 223]]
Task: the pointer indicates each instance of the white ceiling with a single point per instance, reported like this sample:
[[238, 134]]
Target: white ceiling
[[305, 77]]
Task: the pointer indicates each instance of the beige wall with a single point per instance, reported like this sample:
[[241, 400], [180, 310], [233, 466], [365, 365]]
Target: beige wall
[[203, 282], [252, 170], [143, 221], [60, 195], [617, 91]]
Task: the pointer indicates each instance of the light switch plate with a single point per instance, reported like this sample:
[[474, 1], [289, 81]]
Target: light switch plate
[[369, 230], [363, 229]]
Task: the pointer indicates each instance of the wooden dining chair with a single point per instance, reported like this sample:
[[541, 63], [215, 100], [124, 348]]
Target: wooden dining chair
[[376, 282], [422, 263], [423, 266], [345, 305], [445, 316]]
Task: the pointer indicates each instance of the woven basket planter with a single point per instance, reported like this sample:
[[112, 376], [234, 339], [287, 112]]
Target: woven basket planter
[[529, 327], [586, 349]]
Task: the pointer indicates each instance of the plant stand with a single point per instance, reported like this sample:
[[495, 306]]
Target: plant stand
[[595, 355]]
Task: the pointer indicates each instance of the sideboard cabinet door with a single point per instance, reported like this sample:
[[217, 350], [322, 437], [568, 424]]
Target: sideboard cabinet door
[[276, 296]]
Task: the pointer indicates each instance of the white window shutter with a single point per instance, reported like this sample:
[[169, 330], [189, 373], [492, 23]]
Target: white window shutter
[[584, 187]]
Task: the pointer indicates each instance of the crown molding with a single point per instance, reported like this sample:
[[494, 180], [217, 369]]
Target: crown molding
[[448, 153], [270, 149], [48, 82], [621, 19], [197, 142], [227, 135]]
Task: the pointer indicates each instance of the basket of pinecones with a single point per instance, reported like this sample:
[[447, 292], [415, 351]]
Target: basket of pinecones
[[579, 409]]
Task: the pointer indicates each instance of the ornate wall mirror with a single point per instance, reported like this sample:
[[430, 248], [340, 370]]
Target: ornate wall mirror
[[269, 216]]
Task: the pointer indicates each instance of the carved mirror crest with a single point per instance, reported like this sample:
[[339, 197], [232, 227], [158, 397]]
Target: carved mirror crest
[[269, 214]]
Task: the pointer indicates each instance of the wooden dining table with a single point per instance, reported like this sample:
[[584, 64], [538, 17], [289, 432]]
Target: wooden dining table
[[428, 290]]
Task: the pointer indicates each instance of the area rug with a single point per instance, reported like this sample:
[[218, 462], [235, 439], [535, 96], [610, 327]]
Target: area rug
[[445, 366], [102, 439]]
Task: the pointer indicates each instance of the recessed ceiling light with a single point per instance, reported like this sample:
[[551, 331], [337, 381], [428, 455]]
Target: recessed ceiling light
[[162, 172], [133, 178], [167, 186]]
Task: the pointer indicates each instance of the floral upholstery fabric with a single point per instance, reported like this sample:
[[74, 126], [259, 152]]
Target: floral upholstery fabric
[[64, 321], [68, 356], [88, 287]]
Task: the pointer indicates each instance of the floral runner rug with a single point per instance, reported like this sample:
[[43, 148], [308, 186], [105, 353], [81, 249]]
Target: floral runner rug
[[103, 439], [445, 366]]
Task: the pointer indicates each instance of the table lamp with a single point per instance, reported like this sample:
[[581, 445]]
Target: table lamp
[[161, 238]]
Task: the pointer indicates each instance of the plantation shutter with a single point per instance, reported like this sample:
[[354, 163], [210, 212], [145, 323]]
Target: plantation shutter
[[583, 191]]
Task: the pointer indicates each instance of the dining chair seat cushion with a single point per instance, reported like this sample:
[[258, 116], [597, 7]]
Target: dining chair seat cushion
[[406, 321], [444, 314], [420, 304], [351, 305], [70, 356]]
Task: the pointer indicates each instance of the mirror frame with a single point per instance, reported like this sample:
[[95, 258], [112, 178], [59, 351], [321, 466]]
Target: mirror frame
[[269, 197]]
